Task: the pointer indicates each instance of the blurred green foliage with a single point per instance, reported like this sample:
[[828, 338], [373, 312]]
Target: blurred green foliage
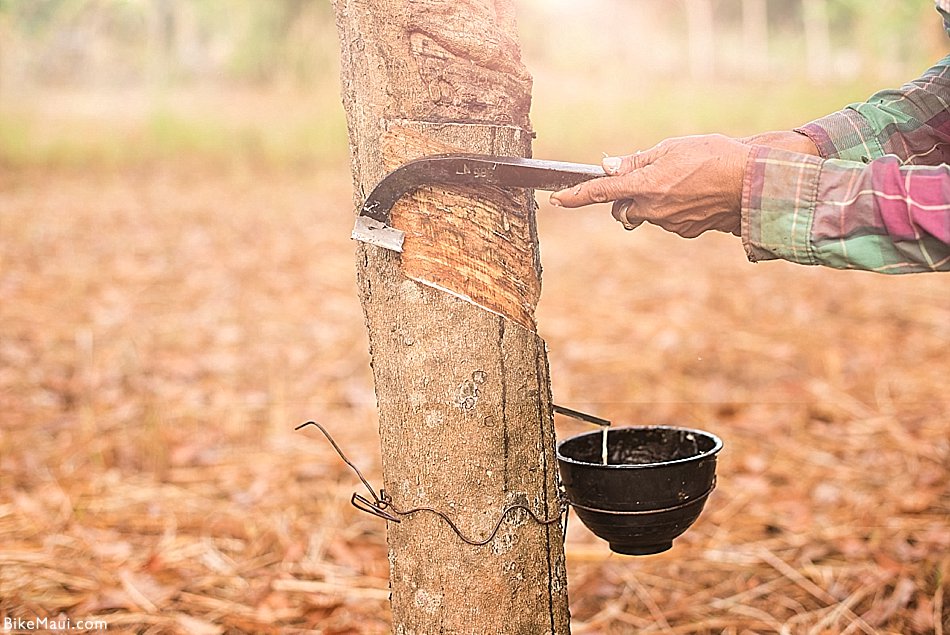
[[280, 40], [574, 129], [112, 81], [168, 134], [83, 41]]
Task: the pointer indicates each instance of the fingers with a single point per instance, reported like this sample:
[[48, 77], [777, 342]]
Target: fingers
[[617, 166], [602, 190], [632, 214], [619, 183], [621, 210], [687, 185], [612, 165]]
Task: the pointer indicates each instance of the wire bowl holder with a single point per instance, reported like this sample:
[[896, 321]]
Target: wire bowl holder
[[651, 489]]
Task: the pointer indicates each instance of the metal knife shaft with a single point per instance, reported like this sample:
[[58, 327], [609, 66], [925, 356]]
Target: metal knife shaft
[[475, 170], [538, 174]]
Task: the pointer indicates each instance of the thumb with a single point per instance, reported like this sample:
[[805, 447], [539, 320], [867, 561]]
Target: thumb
[[609, 188], [620, 165]]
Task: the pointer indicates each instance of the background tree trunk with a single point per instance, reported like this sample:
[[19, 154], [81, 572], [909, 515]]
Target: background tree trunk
[[755, 21], [461, 375], [817, 38], [700, 29]]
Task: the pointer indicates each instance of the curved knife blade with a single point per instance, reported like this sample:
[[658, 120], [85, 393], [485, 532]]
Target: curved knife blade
[[373, 226]]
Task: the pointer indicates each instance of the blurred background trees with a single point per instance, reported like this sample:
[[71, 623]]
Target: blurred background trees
[[121, 42], [129, 41], [108, 78], [177, 292]]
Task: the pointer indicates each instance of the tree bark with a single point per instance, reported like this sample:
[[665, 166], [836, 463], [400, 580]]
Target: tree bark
[[461, 375]]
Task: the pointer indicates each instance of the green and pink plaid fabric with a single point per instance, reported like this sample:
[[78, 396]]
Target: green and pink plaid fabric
[[879, 196]]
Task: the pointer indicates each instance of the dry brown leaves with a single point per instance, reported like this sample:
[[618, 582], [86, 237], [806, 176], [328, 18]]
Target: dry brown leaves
[[162, 331]]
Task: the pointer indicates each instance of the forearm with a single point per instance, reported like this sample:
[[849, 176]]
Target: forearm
[[881, 216]]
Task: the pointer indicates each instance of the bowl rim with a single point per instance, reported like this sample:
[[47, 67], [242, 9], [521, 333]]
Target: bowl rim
[[717, 446]]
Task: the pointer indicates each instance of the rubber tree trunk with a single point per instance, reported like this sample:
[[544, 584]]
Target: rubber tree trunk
[[461, 376]]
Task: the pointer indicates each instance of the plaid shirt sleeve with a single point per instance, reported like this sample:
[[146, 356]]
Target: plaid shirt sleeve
[[878, 199], [881, 216], [912, 122]]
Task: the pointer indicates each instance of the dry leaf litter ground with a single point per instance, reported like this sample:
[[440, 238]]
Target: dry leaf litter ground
[[163, 330]]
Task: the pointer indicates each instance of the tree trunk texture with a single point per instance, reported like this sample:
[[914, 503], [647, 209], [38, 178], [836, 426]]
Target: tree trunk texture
[[461, 376]]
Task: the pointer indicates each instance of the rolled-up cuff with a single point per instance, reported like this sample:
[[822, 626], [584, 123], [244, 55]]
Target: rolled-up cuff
[[843, 135], [779, 191]]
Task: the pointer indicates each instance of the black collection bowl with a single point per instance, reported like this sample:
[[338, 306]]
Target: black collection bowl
[[653, 487]]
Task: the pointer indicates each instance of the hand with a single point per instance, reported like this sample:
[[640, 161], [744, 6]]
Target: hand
[[686, 185]]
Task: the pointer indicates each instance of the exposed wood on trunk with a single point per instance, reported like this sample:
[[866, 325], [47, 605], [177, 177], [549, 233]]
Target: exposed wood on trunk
[[480, 244], [461, 376]]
